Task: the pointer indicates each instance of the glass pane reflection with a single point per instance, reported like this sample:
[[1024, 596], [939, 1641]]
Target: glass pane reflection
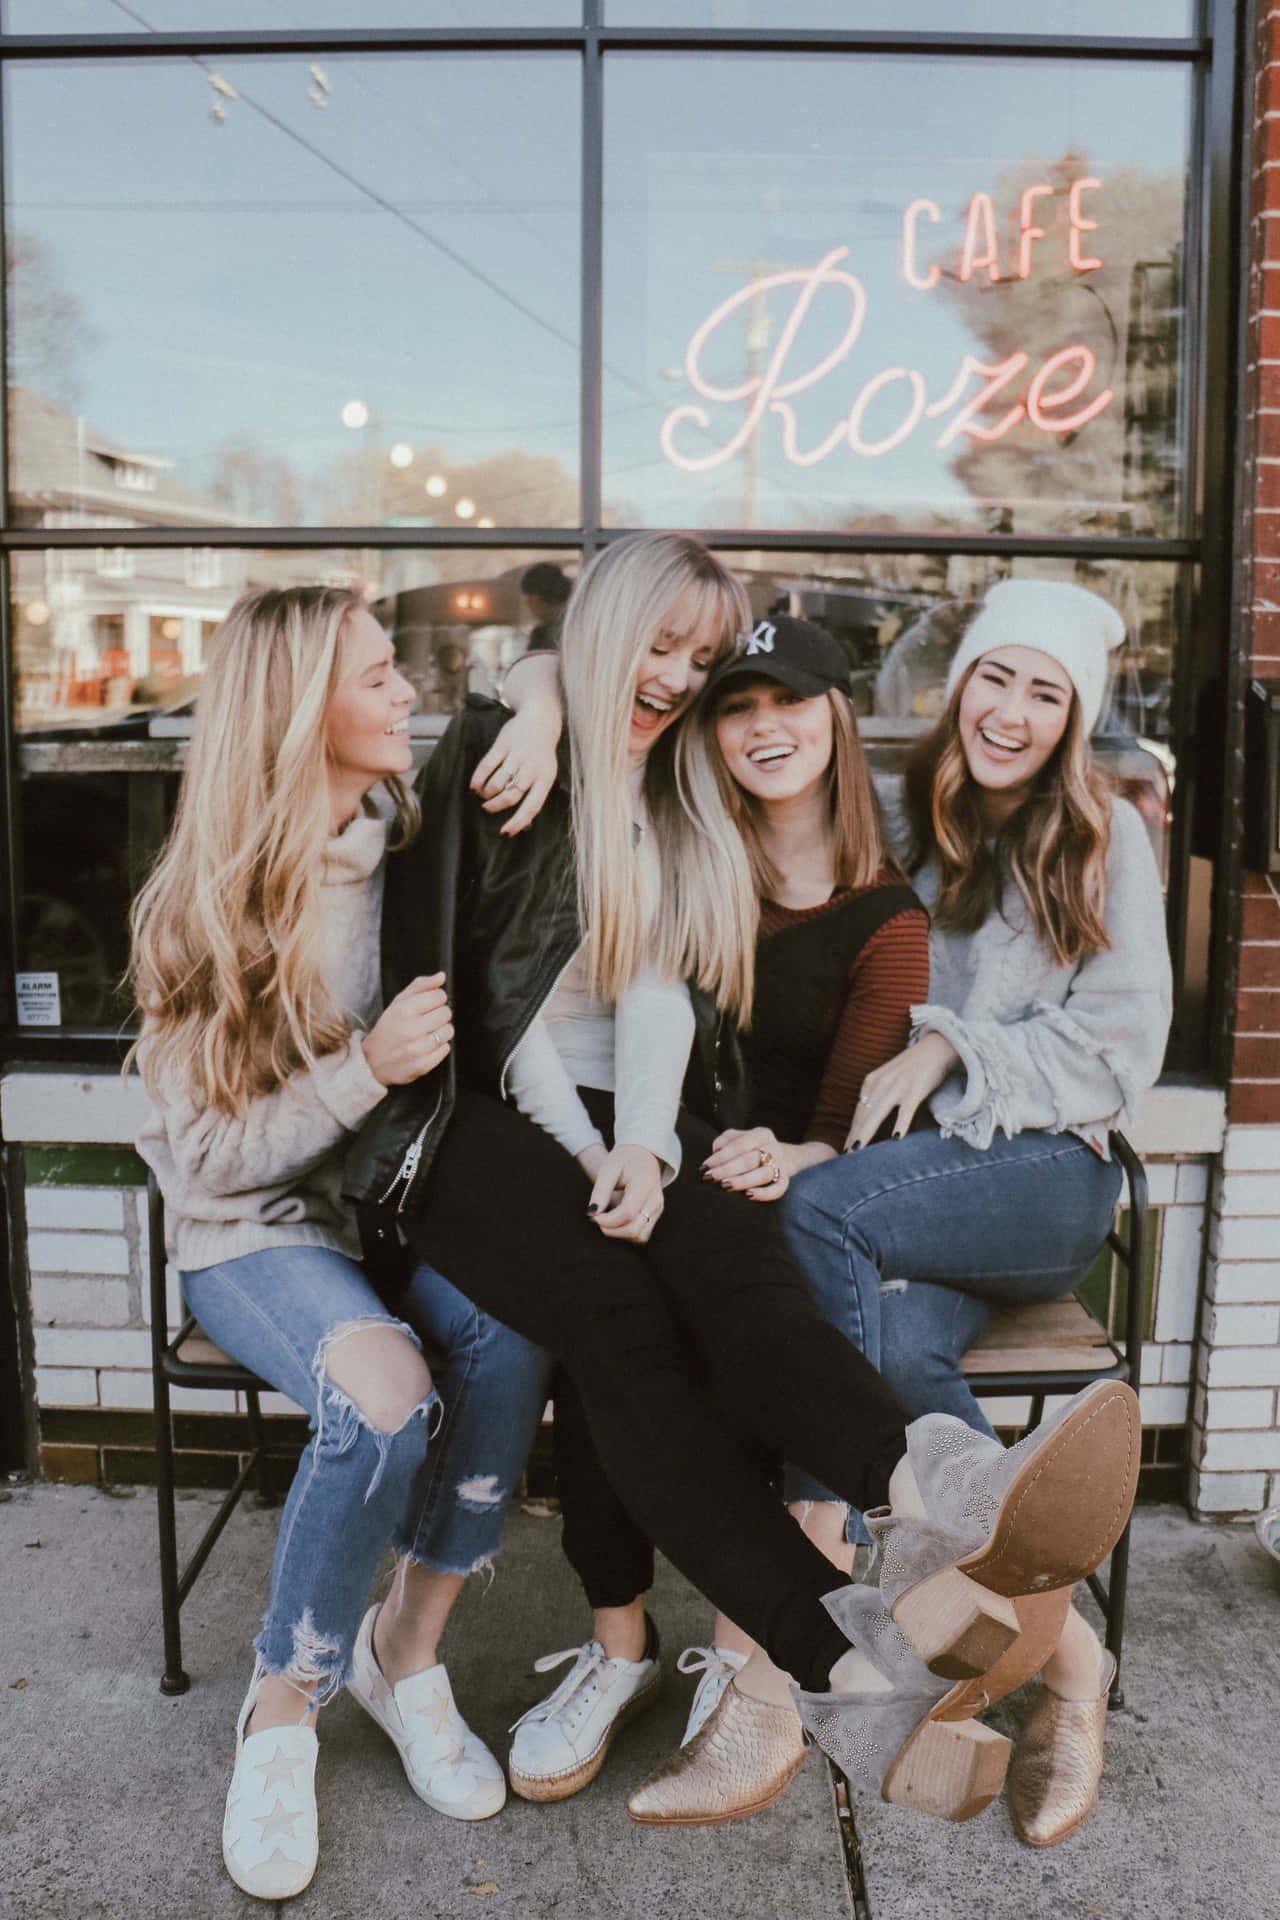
[[231, 303], [875, 293], [1146, 18], [109, 647], [244, 16]]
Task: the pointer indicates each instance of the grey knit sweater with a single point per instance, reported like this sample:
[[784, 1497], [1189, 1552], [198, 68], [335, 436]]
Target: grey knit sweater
[[274, 1177], [1067, 1049]]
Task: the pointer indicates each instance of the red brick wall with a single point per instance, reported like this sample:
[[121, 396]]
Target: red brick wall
[[1255, 1078]]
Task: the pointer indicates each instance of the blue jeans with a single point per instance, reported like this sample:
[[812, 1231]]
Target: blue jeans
[[909, 1244], [356, 1488]]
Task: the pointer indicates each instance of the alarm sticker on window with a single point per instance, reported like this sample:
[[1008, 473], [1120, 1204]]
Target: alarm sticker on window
[[39, 999]]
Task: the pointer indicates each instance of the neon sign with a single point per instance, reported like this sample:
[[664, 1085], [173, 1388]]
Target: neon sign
[[1048, 402]]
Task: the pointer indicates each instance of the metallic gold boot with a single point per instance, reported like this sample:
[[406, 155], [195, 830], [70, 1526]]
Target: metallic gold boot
[[745, 1754], [1057, 1763]]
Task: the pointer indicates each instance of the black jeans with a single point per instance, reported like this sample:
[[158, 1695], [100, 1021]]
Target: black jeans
[[677, 1349]]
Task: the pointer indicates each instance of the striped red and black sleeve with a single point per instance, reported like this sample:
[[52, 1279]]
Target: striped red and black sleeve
[[889, 976]]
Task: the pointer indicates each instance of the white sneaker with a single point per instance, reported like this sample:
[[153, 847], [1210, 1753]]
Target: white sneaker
[[448, 1766], [561, 1743], [717, 1665], [269, 1837]]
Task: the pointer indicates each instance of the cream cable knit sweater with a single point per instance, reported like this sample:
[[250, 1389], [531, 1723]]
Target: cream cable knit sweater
[[274, 1178], [1067, 1049]]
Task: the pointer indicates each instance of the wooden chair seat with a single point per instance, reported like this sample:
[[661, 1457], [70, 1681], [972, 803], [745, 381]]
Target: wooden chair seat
[[1055, 1335]]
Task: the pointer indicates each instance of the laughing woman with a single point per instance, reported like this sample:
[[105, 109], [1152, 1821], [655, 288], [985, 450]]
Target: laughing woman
[[264, 1047], [1048, 1013], [546, 1165]]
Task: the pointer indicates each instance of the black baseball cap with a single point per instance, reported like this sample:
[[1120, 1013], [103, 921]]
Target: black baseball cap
[[794, 652]]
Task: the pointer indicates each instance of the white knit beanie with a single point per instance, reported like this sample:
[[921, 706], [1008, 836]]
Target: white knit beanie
[[1073, 626]]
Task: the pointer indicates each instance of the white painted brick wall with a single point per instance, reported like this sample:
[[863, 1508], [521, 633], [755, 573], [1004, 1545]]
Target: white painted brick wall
[[66, 1387], [78, 1253], [1244, 1367], [1246, 1237], [1235, 1281], [100, 1209], [124, 1387], [1242, 1326], [1239, 1407], [1175, 1367], [78, 1347], [81, 1302], [1192, 1186], [1241, 1452], [1180, 1249], [1251, 1150], [1163, 1406], [1250, 1193], [1162, 1176], [1228, 1492]]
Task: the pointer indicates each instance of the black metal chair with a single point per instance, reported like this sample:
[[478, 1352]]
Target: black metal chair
[[1061, 1348], [189, 1359]]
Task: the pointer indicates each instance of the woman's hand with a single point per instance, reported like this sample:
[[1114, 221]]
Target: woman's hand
[[899, 1086], [751, 1160], [626, 1195], [519, 769], [413, 1035]]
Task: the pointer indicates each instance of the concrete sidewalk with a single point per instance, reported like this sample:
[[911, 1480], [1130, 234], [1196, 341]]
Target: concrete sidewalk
[[111, 1794]]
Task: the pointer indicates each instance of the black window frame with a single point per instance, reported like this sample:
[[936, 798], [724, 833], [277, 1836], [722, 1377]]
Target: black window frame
[[1204, 545]]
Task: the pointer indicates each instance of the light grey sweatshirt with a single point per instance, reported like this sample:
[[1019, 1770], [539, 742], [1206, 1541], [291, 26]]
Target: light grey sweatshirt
[[1066, 1049], [274, 1177]]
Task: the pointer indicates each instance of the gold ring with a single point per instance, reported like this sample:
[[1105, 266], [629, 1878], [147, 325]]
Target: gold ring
[[765, 1156], [776, 1175]]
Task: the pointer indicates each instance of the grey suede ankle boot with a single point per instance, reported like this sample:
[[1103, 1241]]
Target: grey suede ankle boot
[[1003, 1524], [915, 1744]]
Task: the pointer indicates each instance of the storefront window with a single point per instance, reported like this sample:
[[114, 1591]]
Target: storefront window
[[246, 16], [880, 295], [107, 675], [1167, 18], [233, 303]]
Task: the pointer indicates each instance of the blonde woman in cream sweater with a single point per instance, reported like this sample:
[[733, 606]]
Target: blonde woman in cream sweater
[[264, 1047]]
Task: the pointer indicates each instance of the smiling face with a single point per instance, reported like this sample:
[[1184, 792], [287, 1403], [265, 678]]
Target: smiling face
[[1013, 711], [673, 670], [776, 744], [367, 718]]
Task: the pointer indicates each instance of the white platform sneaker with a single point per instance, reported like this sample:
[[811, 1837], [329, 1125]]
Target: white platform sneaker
[[561, 1743], [448, 1765], [269, 1838]]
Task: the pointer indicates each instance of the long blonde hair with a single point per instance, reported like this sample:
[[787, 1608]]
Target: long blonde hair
[[702, 926], [228, 933], [1054, 846], [857, 837]]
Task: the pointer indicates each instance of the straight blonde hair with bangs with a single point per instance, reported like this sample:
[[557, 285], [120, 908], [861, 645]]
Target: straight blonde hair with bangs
[[1054, 847], [228, 931], [702, 926], [857, 836]]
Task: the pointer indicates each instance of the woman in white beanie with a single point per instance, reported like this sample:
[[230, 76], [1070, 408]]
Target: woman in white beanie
[[1048, 1013]]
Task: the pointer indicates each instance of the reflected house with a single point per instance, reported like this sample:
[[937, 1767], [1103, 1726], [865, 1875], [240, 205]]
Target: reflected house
[[103, 628]]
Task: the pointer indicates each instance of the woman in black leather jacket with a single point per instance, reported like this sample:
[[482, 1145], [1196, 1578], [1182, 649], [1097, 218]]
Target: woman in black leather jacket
[[673, 1304]]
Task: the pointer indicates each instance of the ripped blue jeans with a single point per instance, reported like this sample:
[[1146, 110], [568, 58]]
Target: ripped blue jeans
[[356, 1489]]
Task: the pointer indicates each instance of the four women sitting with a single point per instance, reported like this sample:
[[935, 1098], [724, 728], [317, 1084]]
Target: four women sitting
[[708, 877]]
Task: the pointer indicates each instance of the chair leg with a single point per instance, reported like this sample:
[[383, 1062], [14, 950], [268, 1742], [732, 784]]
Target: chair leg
[[1117, 1593], [258, 1445], [174, 1679]]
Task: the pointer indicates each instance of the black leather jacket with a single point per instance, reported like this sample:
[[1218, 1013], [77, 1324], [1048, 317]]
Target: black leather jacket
[[500, 917]]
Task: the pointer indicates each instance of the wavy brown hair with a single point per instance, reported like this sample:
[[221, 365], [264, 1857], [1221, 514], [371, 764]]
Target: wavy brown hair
[[1054, 847], [228, 932]]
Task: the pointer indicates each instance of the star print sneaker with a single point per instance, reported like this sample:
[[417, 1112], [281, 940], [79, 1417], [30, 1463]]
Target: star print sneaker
[[269, 1838], [448, 1766]]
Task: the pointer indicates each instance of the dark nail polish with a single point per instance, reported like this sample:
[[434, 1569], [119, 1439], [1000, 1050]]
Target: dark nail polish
[[593, 1208]]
